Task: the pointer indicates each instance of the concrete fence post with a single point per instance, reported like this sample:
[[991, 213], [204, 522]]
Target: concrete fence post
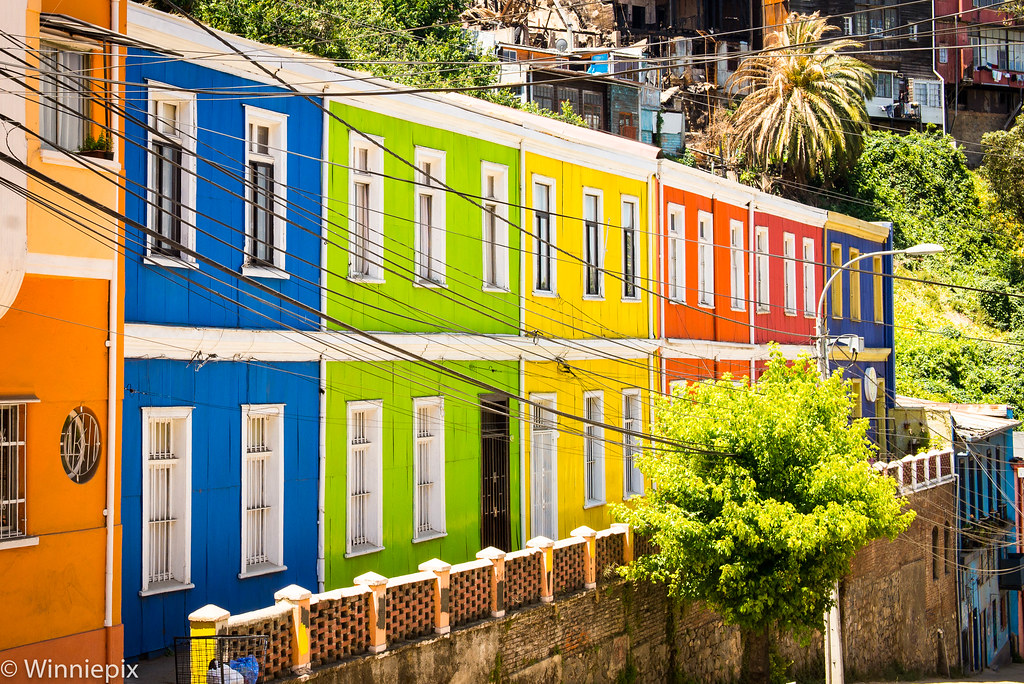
[[547, 561], [298, 599], [497, 558], [627, 540], [442, 593], [377, 621], [589, 555], [208, 621]]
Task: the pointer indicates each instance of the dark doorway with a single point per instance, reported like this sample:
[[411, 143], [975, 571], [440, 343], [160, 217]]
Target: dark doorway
[[495, 518]]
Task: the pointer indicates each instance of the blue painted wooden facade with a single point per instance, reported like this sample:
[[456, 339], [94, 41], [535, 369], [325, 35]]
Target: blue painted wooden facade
[[203, 297], [877, 335]]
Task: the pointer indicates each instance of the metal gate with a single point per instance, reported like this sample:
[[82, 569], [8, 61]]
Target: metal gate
[[495, 518]]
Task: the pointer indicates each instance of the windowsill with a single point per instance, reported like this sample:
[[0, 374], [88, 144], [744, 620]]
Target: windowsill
[[429, 284], [809, 315], [165, 588], [702, 305], [168, 262], [260, 271], [59, 158], [495, 288], [631, 495], [363, 551], [594, 504], [761, 311], [791, 313], [549, 294], [738, 309], [262, 569], [678, 302], [19, 542], [365, 280], [593, 298], [428, 537], [631, 300]]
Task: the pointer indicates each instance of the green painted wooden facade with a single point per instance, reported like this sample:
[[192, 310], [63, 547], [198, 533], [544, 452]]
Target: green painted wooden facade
[[395, 384], [398, 304]]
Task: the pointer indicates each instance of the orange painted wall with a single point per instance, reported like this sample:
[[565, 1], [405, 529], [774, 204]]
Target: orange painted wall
[[703, 369], [54, 348], [690, 321]]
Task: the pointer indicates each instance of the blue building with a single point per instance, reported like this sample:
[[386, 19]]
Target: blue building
[[859, 314], [222, 409]]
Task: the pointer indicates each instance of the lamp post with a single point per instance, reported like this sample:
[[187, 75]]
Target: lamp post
[[833, 637]]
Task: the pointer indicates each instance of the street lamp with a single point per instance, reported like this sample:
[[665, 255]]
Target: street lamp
[[833, 640]]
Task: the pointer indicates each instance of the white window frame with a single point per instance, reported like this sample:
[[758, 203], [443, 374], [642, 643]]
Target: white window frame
[[372, 478], [789, 273], [65, 98], [762, 269], [499, 280], [549, 253], [430, 266], [631, 209], [631, 420], [436, 506], [373, 268], [273, 531], [810, 278], [186, 103], [277, 155], [738, 283], [180, 494], [677, 252], [705, 259], [600, 238], [539, 429], [593, 452], [13, 452]]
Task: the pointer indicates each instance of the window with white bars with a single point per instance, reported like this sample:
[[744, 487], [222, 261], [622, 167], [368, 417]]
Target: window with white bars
[[366, 209], [789, 272], [544, 467], [365, 434], [64, 101], [632, 420], [593, 448], [172, 181], [495, 225], [705, 259], [12, 471], [737, 283], [166, 498], [676, 253], [430, 216], [543, 235], [262, 488], [267, 188], [428, 445], [810, 301], [630, 256], [593, 277], [762, 266]]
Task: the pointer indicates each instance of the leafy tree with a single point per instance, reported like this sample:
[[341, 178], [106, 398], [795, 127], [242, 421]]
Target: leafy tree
[[759, 510], [804, 111], [1004, 167], [414, 42]]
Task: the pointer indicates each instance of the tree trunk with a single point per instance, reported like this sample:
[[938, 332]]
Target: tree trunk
[[756, 647]]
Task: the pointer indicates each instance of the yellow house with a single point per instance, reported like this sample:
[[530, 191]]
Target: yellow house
[[588, 253]]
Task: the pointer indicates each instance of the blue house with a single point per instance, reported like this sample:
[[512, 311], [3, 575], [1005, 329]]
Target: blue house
[[222, 409], [859, 314]]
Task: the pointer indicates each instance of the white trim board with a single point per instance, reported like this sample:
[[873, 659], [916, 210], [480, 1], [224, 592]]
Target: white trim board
[[69, 266]]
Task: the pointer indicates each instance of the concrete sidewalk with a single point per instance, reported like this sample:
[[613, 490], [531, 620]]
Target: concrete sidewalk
[[1008, 674]]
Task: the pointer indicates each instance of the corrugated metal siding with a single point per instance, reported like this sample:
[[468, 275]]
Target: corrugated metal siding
[[776, 325]]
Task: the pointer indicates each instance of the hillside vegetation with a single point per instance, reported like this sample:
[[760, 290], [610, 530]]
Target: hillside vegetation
[[951, 344]]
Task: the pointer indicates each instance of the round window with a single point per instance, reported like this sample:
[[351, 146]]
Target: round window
[[80, 445]]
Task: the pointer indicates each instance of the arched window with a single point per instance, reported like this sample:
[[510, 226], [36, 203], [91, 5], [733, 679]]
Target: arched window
[[935, 553], [948, 553]]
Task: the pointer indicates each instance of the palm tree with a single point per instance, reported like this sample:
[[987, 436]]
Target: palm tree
[[804, 110]]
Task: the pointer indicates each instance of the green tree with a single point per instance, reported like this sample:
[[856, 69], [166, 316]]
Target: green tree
[[804, 111], [759, 510], [1004, 167]]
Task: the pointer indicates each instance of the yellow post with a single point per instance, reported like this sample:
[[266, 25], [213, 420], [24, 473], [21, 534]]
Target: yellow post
[[299, 599], [208, 621]]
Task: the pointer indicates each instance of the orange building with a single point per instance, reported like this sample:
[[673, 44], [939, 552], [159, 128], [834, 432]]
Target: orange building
[[60, 324]]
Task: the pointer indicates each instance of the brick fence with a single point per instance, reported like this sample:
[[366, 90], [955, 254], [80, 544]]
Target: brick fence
[[557, 624]]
